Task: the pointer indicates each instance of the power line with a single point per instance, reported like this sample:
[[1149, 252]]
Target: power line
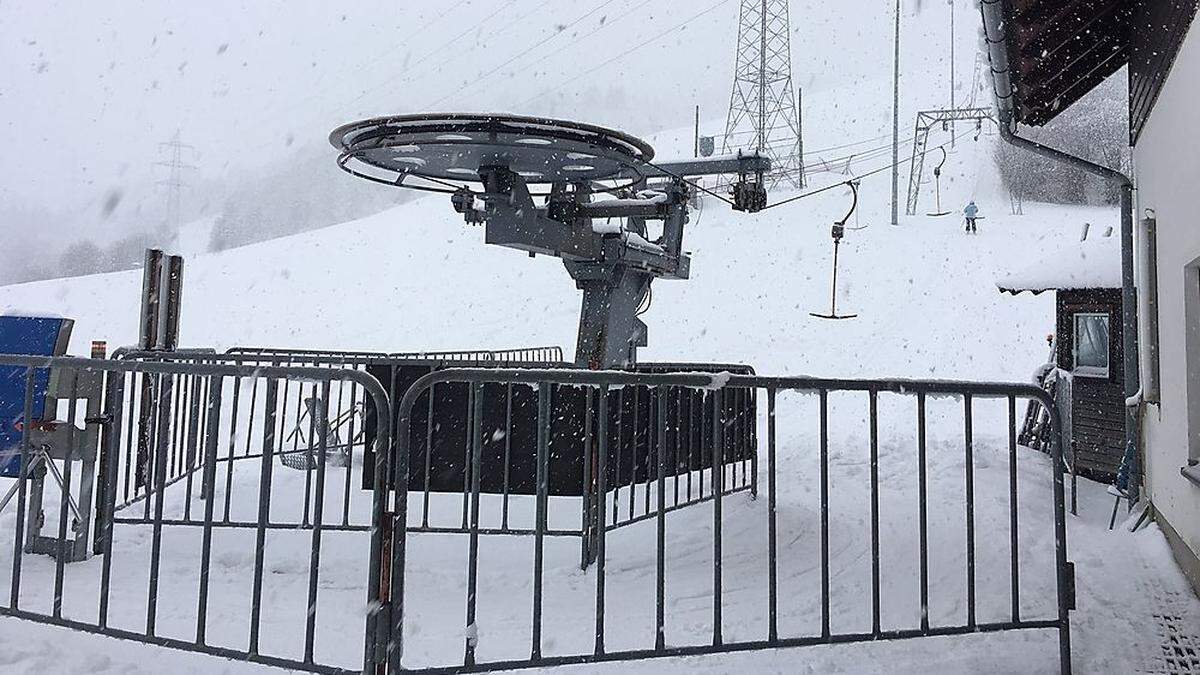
[[433, 52], [557, 32], [627, 52]]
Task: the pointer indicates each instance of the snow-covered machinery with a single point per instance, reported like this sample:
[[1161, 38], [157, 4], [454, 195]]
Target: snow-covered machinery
[[536, 185]]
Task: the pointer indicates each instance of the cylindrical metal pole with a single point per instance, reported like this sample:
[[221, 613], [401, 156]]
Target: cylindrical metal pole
[[762, 78], [952, 103], [896, 121]]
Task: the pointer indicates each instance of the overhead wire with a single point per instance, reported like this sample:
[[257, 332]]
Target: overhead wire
[[860, 176], [557, 31], [625, 53]]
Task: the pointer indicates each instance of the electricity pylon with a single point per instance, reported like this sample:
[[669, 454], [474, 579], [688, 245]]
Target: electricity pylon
[[173, 161], [764, 109]]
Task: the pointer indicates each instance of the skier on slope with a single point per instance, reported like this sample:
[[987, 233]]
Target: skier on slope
[[971, 212]]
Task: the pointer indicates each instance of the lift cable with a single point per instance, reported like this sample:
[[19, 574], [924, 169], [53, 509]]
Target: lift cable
[[856, 177]]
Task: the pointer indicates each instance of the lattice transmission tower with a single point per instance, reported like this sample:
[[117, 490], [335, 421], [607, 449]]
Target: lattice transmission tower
[[764, 109], [172, 153]]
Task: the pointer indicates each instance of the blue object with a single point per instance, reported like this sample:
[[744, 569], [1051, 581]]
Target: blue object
[[971, 211], [33, 336]]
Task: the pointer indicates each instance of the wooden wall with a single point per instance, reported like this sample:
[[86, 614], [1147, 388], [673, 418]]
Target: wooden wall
[[1158, 30], [1098, 404]]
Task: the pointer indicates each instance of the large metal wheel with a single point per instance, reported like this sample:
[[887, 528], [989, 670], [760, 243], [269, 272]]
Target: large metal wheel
[[448, 150]]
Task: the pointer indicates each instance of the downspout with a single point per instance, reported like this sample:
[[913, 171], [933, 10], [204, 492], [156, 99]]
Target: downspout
[[994, 22]]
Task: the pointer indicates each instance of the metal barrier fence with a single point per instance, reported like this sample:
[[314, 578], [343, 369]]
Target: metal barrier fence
[[181, 443], [441, 467], [1035, 583]]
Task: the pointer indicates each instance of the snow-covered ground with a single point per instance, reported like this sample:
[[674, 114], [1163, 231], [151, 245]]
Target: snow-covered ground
[[416, 277]]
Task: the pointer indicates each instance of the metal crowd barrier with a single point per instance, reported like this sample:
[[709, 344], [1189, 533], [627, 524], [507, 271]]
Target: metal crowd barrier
[[604, 389], [243, 585]]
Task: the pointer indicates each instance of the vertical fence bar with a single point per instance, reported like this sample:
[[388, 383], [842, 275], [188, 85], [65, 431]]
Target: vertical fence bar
[[130, 448], [1014, 568], [22, 491], [471, 432], [923, 524], [149, 430], [264, 507], [508, 391], [211, 440], [970, 485], [824, 394], [874, 415], [677, 430], [601, 501], [634, 458], [250, 417], [752, 443], [585, 498], [162, 438], [772, 544], [396, 547], [705, 411], [653, 423], [310, 408], [233, 431], [476, 446], [620, 449], [660, 639], [543, 453], [318, 518], [693, 435], [1063, 568], [65, 496], [113, 397], [717, 476], [429, 426], [193, 431], [353, 412]]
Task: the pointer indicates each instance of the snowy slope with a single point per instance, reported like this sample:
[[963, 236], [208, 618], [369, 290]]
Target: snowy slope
[[417, 277]]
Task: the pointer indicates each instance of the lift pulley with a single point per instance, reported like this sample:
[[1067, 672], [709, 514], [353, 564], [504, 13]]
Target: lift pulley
[[838, 231], [937, 189]]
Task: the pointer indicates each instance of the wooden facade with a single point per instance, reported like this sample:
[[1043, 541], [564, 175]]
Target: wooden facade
[[1097, 402], [1156, 32]]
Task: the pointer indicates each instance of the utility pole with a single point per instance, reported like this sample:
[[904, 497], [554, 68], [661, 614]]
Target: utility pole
[[952, 104], [173, 161], [896, 123], [763, 108]]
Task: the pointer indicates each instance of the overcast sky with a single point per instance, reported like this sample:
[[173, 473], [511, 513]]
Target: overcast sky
[[90, 89]]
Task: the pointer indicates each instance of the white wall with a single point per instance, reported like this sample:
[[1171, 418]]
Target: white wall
[[1167, 163]]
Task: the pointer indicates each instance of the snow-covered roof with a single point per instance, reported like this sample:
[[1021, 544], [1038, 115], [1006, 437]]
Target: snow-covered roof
[[1094, 262]]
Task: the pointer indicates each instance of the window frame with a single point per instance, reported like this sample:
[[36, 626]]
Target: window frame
[[1090, 371]]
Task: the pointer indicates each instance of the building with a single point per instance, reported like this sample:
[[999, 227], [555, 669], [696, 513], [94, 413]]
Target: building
[[1045, 55], [1085, 278]]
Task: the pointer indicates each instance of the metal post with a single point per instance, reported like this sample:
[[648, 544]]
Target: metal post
[[896, 121], [951, 72], [601, 527]]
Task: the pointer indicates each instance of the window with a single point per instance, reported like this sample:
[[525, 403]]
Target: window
[[1091, 344]]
